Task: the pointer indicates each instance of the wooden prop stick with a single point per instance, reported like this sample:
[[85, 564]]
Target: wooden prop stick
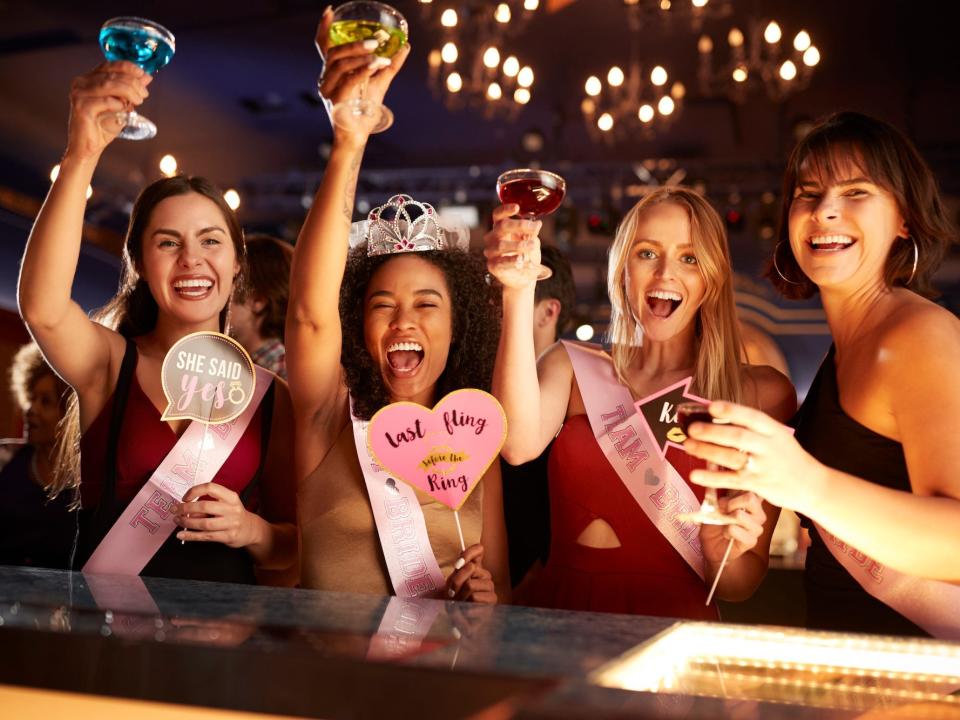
[[463, 545], [723, 564]]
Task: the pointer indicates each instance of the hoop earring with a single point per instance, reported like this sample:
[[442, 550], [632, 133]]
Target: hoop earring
[[916, 259], [777, 267]]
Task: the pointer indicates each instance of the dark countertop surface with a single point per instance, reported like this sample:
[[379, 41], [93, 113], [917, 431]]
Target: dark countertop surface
[[322, 654]]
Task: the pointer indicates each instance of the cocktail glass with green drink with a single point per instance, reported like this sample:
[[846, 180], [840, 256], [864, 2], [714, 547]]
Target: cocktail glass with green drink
[[365, 20]]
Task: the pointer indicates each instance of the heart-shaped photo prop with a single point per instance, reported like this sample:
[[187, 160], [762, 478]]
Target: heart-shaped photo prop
[[444, 451]]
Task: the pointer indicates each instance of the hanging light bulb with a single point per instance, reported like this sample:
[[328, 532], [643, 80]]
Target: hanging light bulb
[[615, 76], [740, 74], [491, 57], [449, 53], [454, 82], [646, 113], [666, 105], [593, 86], [494, 91], [521, 96], [605, 122], [735, 37], [704, 45], [531, 4], [449, 18], [678, 91], [811, 56], [788, 71], [658, 76], [802, 41], [525, 76], [511, 66], [772, 33], [502, 13], [168, 165], [699, 3]]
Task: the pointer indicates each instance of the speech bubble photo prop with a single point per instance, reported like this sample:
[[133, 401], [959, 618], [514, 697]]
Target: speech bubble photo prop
[[207, 377], [659, 411], [444, 451]]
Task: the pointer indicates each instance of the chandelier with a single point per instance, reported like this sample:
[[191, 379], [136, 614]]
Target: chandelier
[[757, 59], [631, 102], [473, 67], [692, 13]]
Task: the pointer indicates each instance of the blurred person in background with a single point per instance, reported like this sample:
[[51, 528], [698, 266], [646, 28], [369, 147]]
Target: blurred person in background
[[34, 530]]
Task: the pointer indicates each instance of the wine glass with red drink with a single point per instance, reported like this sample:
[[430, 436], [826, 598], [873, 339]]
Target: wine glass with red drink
[[709, 512], [538, 193]]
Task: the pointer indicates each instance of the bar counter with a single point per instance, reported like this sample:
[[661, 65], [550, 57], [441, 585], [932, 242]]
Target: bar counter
[[307, 653]]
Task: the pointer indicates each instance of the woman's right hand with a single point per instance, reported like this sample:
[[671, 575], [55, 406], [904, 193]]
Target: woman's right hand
[[508, 238], [94, 97]]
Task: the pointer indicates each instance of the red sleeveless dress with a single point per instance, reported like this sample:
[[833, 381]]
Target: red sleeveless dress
[[645, 575], [120, 451]]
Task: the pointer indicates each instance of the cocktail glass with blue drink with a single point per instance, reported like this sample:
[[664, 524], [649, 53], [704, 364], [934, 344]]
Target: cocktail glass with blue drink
[[146, 44]]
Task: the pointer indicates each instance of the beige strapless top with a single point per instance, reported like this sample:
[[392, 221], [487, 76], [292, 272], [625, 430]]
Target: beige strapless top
[[340, 546]]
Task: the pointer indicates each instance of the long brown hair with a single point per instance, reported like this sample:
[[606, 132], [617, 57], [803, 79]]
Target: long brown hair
[[132, 312], [885, 156], [718, 345]]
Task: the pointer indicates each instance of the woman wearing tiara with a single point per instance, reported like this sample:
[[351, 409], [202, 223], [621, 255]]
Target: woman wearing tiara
[[183, 257], [416, 321], [617, 544]]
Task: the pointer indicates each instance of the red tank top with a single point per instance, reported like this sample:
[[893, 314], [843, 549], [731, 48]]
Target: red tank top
[[145, 440], [645, 575]]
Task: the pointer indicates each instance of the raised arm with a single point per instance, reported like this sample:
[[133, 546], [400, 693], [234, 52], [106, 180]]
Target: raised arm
[[534, 399], [313, 334], [80, 350]]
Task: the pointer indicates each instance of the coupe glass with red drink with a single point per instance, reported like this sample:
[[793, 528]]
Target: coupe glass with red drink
[[538, 193], [709, 512]]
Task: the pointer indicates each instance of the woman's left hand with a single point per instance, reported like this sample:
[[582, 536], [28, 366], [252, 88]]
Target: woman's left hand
[[472, 581], [747, 509], [219, 517], [763, 455]]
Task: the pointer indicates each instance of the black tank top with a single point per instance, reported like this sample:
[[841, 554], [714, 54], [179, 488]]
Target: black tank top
[[835, 601]]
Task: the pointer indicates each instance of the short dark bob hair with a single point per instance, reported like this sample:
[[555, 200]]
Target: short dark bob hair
[[885, 156]]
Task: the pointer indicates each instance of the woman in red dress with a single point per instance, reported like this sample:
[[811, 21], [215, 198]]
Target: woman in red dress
[[673, 317]]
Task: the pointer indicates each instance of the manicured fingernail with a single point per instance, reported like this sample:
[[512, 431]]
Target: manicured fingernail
[[370, 44], [451, 592], [457, 634], [378, 63], [459, 563], [327, 9]]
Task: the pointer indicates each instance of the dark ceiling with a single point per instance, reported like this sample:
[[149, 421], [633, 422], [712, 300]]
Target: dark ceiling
[[236, 103]]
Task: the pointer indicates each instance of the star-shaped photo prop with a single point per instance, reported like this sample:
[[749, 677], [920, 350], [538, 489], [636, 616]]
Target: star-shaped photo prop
[[659, 411]]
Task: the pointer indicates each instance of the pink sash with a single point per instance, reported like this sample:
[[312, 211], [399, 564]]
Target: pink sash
[[405, 624], [631, 450], [147, 522], [931, 604], [413, 567]]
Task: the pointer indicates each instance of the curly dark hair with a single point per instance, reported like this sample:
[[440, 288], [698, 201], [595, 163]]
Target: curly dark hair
[[476, 326]]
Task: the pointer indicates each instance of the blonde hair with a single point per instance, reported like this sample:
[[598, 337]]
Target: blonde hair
[[718, 345]]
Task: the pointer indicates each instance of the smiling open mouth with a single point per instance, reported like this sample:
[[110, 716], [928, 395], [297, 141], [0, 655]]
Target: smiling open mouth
[[830, 243], [404, 357], [663, 303], [193, 289]]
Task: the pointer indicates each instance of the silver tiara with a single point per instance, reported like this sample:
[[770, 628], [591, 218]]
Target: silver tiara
[[404, 225]]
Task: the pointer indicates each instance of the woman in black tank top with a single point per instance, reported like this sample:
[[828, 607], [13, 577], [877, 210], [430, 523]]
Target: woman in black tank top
[[872, 467]]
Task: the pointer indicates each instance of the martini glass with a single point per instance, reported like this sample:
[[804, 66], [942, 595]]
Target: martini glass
[[538, 193], [146, 44], [709, 512], [364, 20]]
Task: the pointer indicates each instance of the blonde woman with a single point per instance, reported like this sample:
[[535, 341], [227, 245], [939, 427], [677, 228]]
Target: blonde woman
[[617, 545]]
